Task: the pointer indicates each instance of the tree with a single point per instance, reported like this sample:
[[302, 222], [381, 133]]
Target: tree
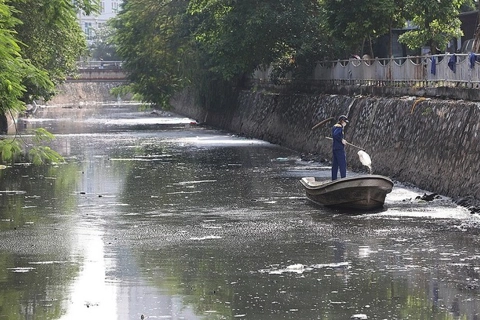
[[476, 36], [238, 36], [150, 42], [213, 44], [436, 22], [102, 46], [39, 43], [356, 21], [14, 69], [50, 37]]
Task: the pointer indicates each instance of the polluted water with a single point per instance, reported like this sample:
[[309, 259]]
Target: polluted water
[[155, 216]]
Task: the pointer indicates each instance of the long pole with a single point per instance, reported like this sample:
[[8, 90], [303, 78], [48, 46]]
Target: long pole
[[321, 123], [329, 138]]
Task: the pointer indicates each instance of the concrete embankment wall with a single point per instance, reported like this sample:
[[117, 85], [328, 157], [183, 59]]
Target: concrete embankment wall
[[433, 144], [85, 91]]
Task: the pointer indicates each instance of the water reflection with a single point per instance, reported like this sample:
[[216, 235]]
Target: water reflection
[[155, 216], [90, 296]]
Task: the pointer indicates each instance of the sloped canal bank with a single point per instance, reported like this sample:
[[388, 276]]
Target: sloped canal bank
[[153, 215]]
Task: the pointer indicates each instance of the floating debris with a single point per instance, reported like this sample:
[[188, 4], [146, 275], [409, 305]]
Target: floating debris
[[428, 197]]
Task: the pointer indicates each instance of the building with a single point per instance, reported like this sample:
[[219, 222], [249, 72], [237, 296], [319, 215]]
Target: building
[[469, 21], [91, 23]]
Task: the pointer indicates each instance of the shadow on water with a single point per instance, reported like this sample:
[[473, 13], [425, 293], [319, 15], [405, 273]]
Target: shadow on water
[[155, 216], [332, 211]]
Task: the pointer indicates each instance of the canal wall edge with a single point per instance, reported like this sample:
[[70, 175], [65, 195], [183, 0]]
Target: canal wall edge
[[85, 91], [431, 143]]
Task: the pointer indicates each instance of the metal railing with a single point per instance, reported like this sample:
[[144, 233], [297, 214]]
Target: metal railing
[[82, 65], [431, 70]]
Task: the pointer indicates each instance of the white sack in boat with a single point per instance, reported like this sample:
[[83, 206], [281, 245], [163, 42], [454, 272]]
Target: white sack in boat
[[365, 159]]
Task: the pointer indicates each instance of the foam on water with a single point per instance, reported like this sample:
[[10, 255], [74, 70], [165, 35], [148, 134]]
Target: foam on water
[[220, 140], [301, 268]]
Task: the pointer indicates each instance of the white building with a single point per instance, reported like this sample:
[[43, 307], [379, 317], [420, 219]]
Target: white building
[[91, 23]]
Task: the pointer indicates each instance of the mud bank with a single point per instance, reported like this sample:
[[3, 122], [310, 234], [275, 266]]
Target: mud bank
[[431, 143]]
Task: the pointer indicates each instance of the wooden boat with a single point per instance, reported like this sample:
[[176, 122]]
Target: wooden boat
[[364, 192]]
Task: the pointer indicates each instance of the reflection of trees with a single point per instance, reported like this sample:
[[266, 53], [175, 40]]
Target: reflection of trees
[[230, 284], [37, 294], [416, 279], [30, 194], [227, 279]]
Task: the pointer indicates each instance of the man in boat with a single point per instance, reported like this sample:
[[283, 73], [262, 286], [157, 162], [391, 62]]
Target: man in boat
[[338, 147]]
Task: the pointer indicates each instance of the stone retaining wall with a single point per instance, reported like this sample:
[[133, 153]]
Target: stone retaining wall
[[433, 144], [85, 91]]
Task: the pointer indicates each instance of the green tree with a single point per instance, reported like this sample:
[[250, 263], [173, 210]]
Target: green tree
[[150, 42], [51, 39], [39, 44], [102, 46], [212, 45], [436, 22], [238, 36], [355, 22], [13, 68]]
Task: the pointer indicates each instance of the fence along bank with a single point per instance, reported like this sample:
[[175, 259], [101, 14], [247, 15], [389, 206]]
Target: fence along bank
[[426, 71], [429, 142]]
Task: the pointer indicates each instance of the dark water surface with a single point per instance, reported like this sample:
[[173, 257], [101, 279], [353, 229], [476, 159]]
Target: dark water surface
[[153, 216]]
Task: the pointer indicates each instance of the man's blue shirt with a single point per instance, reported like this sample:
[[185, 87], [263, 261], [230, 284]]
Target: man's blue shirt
[[337, 135]]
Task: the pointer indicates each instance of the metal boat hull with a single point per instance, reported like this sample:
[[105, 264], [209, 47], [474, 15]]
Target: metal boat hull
[[360, 193]]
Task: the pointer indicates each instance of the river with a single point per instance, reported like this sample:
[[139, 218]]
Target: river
[[154, 217]]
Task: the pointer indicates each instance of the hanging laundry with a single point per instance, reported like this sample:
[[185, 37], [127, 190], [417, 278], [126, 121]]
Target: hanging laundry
[[452, 63], [472, 57]]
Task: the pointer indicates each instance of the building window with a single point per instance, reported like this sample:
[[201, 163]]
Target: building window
[[89, 30]]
